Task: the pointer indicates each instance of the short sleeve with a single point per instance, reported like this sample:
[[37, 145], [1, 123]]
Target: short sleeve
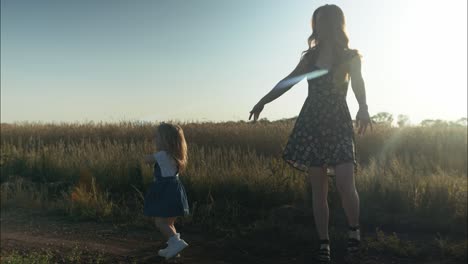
[[166, 163], [158, 156]]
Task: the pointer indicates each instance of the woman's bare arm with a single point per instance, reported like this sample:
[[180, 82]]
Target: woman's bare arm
[[357, 84], [287, 83], [299, 73]]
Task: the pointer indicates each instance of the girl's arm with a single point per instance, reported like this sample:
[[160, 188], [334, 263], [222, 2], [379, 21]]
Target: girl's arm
[[149, 159], [357, 84], [299, 73]]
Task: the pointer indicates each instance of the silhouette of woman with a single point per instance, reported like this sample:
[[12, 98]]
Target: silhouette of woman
[[323, 134]]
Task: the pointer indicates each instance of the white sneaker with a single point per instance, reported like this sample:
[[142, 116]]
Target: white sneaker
[[162, 252], [175, 245]]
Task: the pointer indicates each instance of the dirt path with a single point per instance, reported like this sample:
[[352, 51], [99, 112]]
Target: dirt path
[[25, 231]]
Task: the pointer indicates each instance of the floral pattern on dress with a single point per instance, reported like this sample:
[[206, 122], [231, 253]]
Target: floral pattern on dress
[[323, 133]]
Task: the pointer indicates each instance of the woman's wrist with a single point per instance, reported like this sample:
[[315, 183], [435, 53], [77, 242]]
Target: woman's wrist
[[363, 107]]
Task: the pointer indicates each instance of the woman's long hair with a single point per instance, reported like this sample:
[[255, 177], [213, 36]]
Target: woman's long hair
[[172, 140], [331, 29]]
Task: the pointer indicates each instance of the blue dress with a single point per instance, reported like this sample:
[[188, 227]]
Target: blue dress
[[166, 196]]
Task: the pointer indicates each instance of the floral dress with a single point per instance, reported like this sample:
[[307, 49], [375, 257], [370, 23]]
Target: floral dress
[[323, 134]]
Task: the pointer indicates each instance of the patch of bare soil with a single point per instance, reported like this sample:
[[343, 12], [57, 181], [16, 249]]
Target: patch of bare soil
[[26, 231]]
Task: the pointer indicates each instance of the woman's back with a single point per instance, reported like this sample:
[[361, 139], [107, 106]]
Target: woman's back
[[338, 67]]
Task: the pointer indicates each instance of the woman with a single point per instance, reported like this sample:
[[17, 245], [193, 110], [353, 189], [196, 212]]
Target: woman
[[323, 135]]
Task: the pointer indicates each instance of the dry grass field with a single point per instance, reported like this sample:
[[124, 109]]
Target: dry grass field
[[412, 183]]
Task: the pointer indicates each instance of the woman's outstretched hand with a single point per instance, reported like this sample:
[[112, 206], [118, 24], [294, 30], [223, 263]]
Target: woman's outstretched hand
[[363, 120], [255, 112]]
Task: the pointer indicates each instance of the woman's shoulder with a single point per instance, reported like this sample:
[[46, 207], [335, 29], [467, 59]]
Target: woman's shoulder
[[347, 53], [352, 53], [308, 54]]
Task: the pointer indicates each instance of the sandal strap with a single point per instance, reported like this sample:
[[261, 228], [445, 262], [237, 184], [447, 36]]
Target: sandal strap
[[324, 242], [323, 254], [353, 245]]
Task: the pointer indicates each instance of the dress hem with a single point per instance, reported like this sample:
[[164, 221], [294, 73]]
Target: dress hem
[[168, 215], [305, 168]]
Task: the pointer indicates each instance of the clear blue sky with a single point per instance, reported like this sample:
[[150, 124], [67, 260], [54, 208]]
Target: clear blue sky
[[213, 60]]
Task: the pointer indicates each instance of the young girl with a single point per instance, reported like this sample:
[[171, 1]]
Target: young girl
[[166, 198]]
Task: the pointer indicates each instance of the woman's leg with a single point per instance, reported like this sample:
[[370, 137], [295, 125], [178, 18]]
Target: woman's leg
[[347, 189], [350, 200], [165, 227], [319, 181]]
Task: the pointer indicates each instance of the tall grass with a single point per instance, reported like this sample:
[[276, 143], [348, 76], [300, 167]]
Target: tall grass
[[413, 177]]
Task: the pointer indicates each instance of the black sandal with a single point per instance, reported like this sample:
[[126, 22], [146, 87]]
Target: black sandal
[[354, 244], [323, 255]]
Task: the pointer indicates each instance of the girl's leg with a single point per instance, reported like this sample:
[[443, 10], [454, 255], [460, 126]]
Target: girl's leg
[[319, 181], [347, 189], [171, 221], [174, 243], [165, 227]]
